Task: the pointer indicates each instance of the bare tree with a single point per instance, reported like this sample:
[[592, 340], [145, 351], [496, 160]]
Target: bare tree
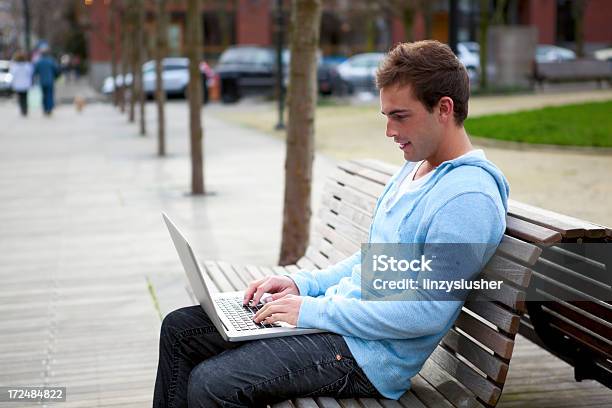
[[112, 16], [123, 38], [302, 99], [578, 9], [160, 94], [194, 92], [129, 24], [141, 50]]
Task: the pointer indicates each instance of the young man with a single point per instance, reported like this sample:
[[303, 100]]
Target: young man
[[445, 193]]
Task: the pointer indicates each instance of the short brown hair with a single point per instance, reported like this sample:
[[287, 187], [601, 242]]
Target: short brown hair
[[433, 71]]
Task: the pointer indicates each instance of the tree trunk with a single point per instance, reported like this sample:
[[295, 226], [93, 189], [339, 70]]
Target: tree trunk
[[499, 17], [194, 91], [140, 41], [123, 57], [408, 22], [428, 18], [112, 11], [578, 9], [133, 61], [484, 32], [160, 94], [302, 99]]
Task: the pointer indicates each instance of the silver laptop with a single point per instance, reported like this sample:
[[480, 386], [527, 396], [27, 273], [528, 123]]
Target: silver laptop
[[233, 320]]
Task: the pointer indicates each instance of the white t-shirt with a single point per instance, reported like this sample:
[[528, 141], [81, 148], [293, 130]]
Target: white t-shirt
[[407, 184], [22, 75]]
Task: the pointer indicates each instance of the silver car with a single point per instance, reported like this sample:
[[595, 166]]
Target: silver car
[[6, 79], [357, 72], [175, 77]]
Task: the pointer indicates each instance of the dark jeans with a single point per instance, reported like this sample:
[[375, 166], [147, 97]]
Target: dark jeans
[[22, 98], [197, 368], [47, 98]]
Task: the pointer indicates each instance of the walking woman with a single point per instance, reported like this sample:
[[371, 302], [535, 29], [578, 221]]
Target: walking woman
[[21, 71]]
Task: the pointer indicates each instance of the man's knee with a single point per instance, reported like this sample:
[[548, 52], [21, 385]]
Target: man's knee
[[180, 320], [206, 387]]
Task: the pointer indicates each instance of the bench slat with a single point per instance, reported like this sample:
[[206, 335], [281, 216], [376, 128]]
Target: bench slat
[[504, 319], [509, 270], [369, 403], [254, 271], [569, 227], [591, 324], [494, 340], [364, 172], [377, 165], [306, 263], [427, 394], [449, 387], [305, 403], [327, 402], [579, 334], [328, 249], [358, 184], [238, 281], [343, 243], [488, 363], [410, 400], [519, 250], [218, 277], [530, 232], [485, 390], [317, 258], [354, 197], [562, 275]]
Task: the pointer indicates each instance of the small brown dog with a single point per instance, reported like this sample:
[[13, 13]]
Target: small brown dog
[[79, 103]]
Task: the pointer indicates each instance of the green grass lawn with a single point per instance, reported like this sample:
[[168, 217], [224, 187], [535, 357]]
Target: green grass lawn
[[588, 124]]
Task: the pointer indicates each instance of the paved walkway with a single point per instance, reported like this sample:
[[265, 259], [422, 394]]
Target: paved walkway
[[82, 235], [82, 241]]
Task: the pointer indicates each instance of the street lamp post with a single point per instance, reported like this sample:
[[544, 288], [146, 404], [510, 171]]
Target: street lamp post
[[279, 64]]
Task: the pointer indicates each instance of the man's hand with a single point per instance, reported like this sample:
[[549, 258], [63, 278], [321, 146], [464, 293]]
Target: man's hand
[[279, 286], [285, 309]]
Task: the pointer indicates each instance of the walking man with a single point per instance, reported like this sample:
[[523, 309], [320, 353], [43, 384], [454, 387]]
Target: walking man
[[47, 70]]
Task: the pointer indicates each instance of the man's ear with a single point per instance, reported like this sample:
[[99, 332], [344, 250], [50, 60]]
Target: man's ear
[[446, 106]]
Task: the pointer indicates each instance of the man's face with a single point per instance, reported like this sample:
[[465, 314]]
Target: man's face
[[416, 131]]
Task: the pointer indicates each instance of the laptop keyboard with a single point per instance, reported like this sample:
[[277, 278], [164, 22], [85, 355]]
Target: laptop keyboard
[[241, 315]]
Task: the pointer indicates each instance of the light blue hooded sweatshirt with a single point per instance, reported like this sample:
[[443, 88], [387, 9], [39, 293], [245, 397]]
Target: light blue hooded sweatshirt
[[464, 201]]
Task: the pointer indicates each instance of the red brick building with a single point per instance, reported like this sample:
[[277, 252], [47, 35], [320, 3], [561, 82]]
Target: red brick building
[[354, 26]]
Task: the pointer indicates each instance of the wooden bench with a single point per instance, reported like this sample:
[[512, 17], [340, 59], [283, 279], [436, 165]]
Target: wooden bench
[[579, 70], [574, 322], [470, 365]]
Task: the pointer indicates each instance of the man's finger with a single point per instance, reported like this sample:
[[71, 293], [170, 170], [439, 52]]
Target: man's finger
[[279, 295], [250, 290], [266, 311], [261, 289]]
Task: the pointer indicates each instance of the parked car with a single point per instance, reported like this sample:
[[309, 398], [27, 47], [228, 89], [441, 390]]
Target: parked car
[[358, 71], [552, 53], [175, 77], [468, 53], [328, 77], [251, 70], [6, 79], [604, 54]]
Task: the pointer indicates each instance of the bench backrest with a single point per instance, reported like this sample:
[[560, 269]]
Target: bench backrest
[[574, 69], [477, 350], [573, 321]]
